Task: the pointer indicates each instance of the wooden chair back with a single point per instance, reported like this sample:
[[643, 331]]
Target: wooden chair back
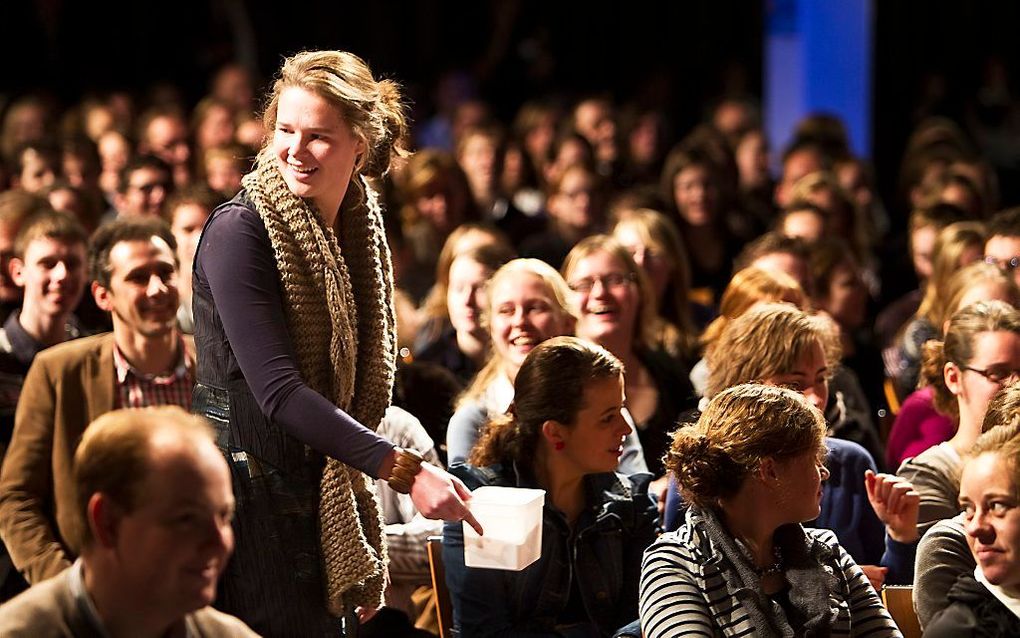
[[899, 600], [444, 608]]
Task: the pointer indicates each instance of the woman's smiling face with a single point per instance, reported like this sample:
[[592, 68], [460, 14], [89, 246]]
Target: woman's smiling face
[[606, 295], [314, 148], [523, 313]]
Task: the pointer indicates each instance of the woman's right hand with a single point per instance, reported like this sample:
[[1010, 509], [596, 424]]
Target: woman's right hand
[[439, 495]]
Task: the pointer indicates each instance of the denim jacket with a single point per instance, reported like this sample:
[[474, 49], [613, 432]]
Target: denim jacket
[[603, 553]]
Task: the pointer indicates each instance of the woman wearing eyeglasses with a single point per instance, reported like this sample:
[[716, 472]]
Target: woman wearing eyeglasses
[[616, 310], [980, 354]]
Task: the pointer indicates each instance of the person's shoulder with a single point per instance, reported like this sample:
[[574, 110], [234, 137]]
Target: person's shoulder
[[687, 546], [71, 353], [936, 459], [41, 610], [475, 477], [824, 536], [211, 622], [239, 212], [848, 453]]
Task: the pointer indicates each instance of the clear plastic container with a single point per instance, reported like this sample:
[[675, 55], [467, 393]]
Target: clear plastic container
[[512, 520]]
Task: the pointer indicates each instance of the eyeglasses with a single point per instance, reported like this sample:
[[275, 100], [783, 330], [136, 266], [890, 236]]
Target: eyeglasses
[[613, 280], [995, 375], [1006, 264]]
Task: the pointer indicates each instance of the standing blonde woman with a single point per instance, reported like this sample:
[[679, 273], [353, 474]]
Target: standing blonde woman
[[294, 320]]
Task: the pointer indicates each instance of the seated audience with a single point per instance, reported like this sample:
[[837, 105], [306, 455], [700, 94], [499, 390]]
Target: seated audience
[[37, 165], [777, 344], [186, 211], [692, 184], [752, 469], [956, 246], [143, 362], [975, 282], [564, 433], [453, 335], [151, 512], [437, 200], [49, 265], [985, 602], [574, 207], [942, 554], [145, 182], [528, 303], [777, 252], [654, 242], [980, 353], [1003, 245], [614, 305], [748, 287]]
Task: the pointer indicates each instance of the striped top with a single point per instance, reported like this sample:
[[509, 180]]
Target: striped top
[[683, 591]]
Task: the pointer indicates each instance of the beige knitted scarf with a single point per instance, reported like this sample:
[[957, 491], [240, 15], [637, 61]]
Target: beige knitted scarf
[[339, 308]]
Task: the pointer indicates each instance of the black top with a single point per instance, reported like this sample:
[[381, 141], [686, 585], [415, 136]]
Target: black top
[[236, 271], [972, 611], [676, 396]]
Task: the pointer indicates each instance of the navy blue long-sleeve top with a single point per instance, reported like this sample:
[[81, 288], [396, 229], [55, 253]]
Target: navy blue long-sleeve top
[[235, 264]]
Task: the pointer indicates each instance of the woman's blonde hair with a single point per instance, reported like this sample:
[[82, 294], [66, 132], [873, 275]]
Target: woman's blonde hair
[[766, 341], [558, 292], [964, 280], [958, 346], [739, 428], [1002, 441], [748, 287], [1003, 409], [950, 245], [373, 109], [457, 244], [657, 232], [644, 323]]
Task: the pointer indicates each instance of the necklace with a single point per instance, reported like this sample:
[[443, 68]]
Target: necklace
[[775, 568]]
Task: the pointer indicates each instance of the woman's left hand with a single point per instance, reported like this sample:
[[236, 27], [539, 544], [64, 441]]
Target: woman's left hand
[[896, 504]]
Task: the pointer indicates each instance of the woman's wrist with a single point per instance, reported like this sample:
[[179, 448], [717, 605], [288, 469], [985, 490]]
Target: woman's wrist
[[405, 467]]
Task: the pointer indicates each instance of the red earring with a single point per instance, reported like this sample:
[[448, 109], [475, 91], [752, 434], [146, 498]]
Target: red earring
[[559, 445]]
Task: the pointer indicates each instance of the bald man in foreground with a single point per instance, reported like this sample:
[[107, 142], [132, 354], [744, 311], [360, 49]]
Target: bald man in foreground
[[153, 530]]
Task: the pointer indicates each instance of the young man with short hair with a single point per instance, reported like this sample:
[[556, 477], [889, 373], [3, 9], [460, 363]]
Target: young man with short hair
[[49, 265], [143, 362], [145, 183]]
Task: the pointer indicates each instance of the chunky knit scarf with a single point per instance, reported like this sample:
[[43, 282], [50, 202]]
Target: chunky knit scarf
[[339, 308]]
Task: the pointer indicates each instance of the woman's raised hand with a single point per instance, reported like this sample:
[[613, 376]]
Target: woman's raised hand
[[896, 504], [440, 495]]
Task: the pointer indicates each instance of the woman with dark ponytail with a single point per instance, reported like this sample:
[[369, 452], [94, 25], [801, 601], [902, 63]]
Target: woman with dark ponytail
[[563, 433], [741, 564]]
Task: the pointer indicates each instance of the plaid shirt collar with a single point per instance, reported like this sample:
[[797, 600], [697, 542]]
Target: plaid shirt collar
[[124, 368]]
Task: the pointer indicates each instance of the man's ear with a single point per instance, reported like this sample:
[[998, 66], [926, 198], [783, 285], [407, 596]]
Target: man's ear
[[102, 297], [16, 268], [102, 516]]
